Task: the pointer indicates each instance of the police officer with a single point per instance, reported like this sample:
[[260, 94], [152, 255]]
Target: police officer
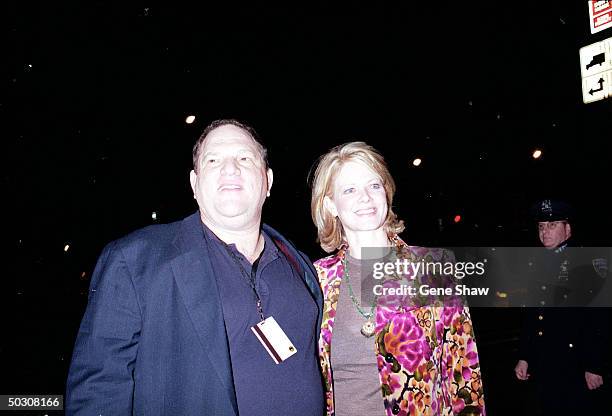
[[562, 348]]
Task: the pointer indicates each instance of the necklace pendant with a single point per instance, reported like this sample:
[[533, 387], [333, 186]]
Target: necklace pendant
[[368, 328]]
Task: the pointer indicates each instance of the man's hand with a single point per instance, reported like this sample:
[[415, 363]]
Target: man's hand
[[521, 370], [593, 380]]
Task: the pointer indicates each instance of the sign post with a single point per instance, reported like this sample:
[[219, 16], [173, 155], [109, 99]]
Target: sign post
[[596, 71], [600, 15]]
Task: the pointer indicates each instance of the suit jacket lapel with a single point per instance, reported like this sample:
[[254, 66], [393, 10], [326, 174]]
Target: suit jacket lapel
[[312, 281], [198, 288]]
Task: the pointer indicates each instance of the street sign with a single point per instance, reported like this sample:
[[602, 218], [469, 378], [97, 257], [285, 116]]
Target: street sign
[[600, 15], [596, 71]]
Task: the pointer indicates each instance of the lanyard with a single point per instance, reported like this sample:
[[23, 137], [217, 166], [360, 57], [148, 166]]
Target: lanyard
[[250, 278]]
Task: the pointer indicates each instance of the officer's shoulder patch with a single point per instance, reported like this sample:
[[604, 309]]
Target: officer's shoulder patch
[[601, 267]]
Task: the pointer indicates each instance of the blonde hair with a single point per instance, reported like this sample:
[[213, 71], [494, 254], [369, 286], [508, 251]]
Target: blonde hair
[[329, 228]]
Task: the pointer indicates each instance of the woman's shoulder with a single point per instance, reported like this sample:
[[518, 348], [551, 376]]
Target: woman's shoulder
[[328, 262], [329, 270], [434, 253]]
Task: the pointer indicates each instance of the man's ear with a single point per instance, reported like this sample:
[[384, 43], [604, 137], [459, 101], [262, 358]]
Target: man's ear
[[330, 206], [270, 175], [568, 230], [192, 180]]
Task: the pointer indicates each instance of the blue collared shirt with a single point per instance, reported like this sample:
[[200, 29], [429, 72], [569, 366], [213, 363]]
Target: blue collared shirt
[[293, 387]]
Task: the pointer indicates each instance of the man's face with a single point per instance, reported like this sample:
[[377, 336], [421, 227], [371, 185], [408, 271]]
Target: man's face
[[553, 233], [231, 184]]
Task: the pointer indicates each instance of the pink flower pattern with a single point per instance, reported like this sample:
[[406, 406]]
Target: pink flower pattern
[[426, 356]]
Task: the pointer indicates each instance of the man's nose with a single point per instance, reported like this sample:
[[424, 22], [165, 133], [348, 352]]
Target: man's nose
[[230, 167]]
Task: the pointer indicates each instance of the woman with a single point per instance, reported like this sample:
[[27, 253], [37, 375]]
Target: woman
[[425, 357]]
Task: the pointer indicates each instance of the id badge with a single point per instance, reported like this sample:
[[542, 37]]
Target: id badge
[[274, 340]]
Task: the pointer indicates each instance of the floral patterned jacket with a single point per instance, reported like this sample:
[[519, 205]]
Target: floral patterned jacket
[[426, 356]]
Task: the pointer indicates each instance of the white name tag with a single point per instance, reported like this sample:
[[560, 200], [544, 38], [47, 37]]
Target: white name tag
[[274, 340]]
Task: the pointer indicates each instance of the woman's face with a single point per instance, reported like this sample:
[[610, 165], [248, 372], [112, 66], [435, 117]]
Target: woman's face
[[359, 198]]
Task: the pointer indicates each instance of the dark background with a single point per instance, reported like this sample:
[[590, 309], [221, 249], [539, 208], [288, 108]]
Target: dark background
[[94, 98]]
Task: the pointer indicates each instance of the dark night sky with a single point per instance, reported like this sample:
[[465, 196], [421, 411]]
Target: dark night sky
[[94, 99]]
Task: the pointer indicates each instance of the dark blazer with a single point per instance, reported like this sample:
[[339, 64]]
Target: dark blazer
[[153, 340]]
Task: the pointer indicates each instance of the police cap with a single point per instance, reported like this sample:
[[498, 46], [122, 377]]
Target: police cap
[[551, 210]]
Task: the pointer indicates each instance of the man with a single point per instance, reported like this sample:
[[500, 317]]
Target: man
[[170, 326], [563, 348]]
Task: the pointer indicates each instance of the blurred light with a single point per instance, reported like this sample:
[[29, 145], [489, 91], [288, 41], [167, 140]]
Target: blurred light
[[501, 294], [190, 119], [416, 162], [83, 275], [154, 216], [66, 248], [536, 154], [457, 218]]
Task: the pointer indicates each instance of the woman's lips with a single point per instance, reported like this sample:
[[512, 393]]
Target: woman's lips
[[366, 211]]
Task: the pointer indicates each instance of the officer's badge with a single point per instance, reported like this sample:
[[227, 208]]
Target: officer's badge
[[564, 271], [546, 206], [601, 267]]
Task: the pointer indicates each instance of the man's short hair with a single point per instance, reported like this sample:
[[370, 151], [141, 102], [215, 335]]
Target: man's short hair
[[197, 147]]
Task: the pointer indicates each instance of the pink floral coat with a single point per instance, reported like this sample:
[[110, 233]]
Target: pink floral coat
[[426, 356]]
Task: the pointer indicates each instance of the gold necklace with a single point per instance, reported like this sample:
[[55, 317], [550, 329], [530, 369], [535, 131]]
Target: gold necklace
[[369, 327]]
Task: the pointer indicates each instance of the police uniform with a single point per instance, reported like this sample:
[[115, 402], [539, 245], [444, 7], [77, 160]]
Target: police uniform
[[561, 337]]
